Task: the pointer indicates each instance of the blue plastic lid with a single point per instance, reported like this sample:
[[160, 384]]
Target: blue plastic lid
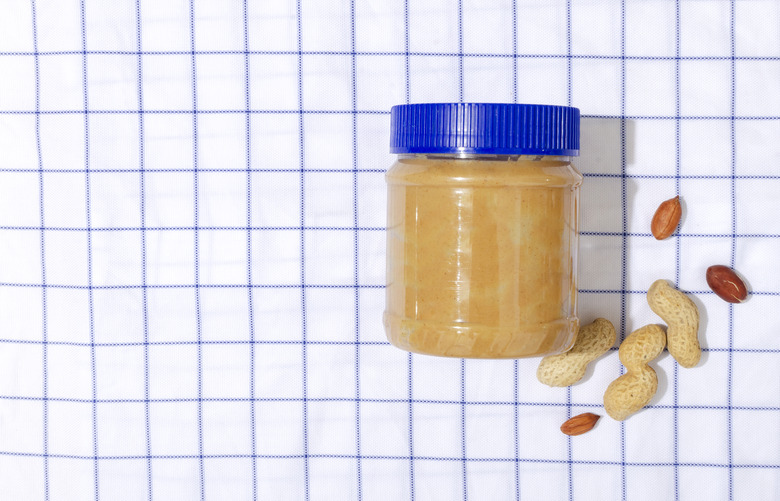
[[485, 128]]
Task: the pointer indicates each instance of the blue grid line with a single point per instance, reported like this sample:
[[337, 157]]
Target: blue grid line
[[687, 291], [293, 342], [406, 63], [198, 286], [344, 171], [196, 233], [683, 176], [490, 403], [410, 399], [371, 171], [320, 286], [683, 117], [192, 228], [464, 470], [144, 294], [677, 250], [730, 363], [516, 423], [250, 298], [513, 55], [356, 254], [409, 356], [302, 160], [516, 364], [362, 112], [195, 111], [95, 448], [351, 228], [204, 342], [569, 58], [569, 448], [682, 234], [624, 222], [463, 426], [407, 458], [514, 94], [41, 208], [152, 171], [460, 72]]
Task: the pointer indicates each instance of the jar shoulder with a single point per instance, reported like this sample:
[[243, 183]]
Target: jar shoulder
[[548, 171]]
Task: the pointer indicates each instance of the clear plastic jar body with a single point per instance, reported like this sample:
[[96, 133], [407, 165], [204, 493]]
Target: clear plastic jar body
[[482, 255]]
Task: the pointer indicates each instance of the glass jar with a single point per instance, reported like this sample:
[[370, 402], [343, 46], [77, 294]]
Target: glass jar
[[482, 230]]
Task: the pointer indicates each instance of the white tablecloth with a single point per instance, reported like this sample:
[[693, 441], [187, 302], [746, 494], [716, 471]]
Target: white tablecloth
[[192, 249]]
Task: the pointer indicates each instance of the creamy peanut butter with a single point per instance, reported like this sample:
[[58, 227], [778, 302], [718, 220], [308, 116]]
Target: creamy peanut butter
[[482, 255]]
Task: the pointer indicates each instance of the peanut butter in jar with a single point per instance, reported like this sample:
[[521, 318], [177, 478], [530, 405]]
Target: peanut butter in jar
[[483, 230]]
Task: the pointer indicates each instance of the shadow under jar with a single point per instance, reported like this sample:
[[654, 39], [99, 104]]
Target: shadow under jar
[[482, 230]]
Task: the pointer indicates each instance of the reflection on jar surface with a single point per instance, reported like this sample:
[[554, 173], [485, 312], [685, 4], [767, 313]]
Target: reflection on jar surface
[[482, 254]]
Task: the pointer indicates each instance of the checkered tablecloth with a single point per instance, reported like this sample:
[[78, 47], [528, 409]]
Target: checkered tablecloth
[[192, 214]]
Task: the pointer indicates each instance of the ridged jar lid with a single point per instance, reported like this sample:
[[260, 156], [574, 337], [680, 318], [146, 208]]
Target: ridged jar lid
[[485, 128]]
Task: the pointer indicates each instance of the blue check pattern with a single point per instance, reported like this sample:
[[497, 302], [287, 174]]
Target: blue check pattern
[[192, 226]]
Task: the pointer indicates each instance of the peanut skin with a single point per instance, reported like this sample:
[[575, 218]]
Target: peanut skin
[[565, 369], [633, 390], [666, 218], [682, 317]]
